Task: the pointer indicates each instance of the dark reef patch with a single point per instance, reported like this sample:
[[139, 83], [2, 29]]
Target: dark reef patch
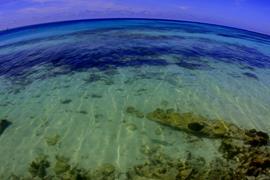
[[250, 75], [132, 46], [257, 138], [38, 167], [96, 96], [83, 112], [193, 66], [66, 101], [195, 126], [4, 124], [20, 64], [93, 78]]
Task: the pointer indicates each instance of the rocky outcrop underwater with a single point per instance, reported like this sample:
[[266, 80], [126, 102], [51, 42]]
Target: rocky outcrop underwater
[[245, 154]]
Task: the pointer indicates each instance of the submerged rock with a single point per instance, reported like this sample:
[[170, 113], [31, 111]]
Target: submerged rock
[[251, 75], [3, 125], [195, 124], [245, 154], [38, 167], [256, 138]]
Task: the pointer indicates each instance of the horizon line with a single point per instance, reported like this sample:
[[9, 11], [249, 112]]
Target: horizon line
[[14, 29]]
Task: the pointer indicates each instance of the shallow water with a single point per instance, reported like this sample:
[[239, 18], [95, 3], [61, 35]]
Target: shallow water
[[66, 89]]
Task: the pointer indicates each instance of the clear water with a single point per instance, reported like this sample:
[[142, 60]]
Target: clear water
[[74, 81]]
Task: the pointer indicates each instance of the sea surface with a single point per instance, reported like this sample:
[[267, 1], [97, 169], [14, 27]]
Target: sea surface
[[81, 90]]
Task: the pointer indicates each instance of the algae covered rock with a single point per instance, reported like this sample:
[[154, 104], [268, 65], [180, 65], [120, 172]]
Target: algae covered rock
[[192, 123], [220, 128]]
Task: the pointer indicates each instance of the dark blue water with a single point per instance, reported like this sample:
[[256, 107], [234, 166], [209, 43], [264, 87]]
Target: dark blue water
[[122, 43]]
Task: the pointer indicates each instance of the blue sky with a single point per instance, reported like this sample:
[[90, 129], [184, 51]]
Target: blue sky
[[252, 15]]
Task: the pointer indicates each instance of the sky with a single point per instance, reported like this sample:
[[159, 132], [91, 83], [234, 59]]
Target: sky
[[253, 15]]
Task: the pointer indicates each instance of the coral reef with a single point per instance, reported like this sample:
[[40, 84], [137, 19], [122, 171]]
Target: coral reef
[[248, 150], [160, 166], [244, 154], [41, 168], [240, 161], [38, 167], [4, 123], [249, 161]]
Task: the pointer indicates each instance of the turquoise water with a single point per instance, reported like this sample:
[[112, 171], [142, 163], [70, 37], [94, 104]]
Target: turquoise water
[[66, 89]]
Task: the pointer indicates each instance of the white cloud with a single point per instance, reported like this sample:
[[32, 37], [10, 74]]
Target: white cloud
[[183, 8], [78, 6]]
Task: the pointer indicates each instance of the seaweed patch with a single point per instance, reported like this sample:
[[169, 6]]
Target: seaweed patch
[[39, 166], [133, 111], [53, 139], [82, 112]]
